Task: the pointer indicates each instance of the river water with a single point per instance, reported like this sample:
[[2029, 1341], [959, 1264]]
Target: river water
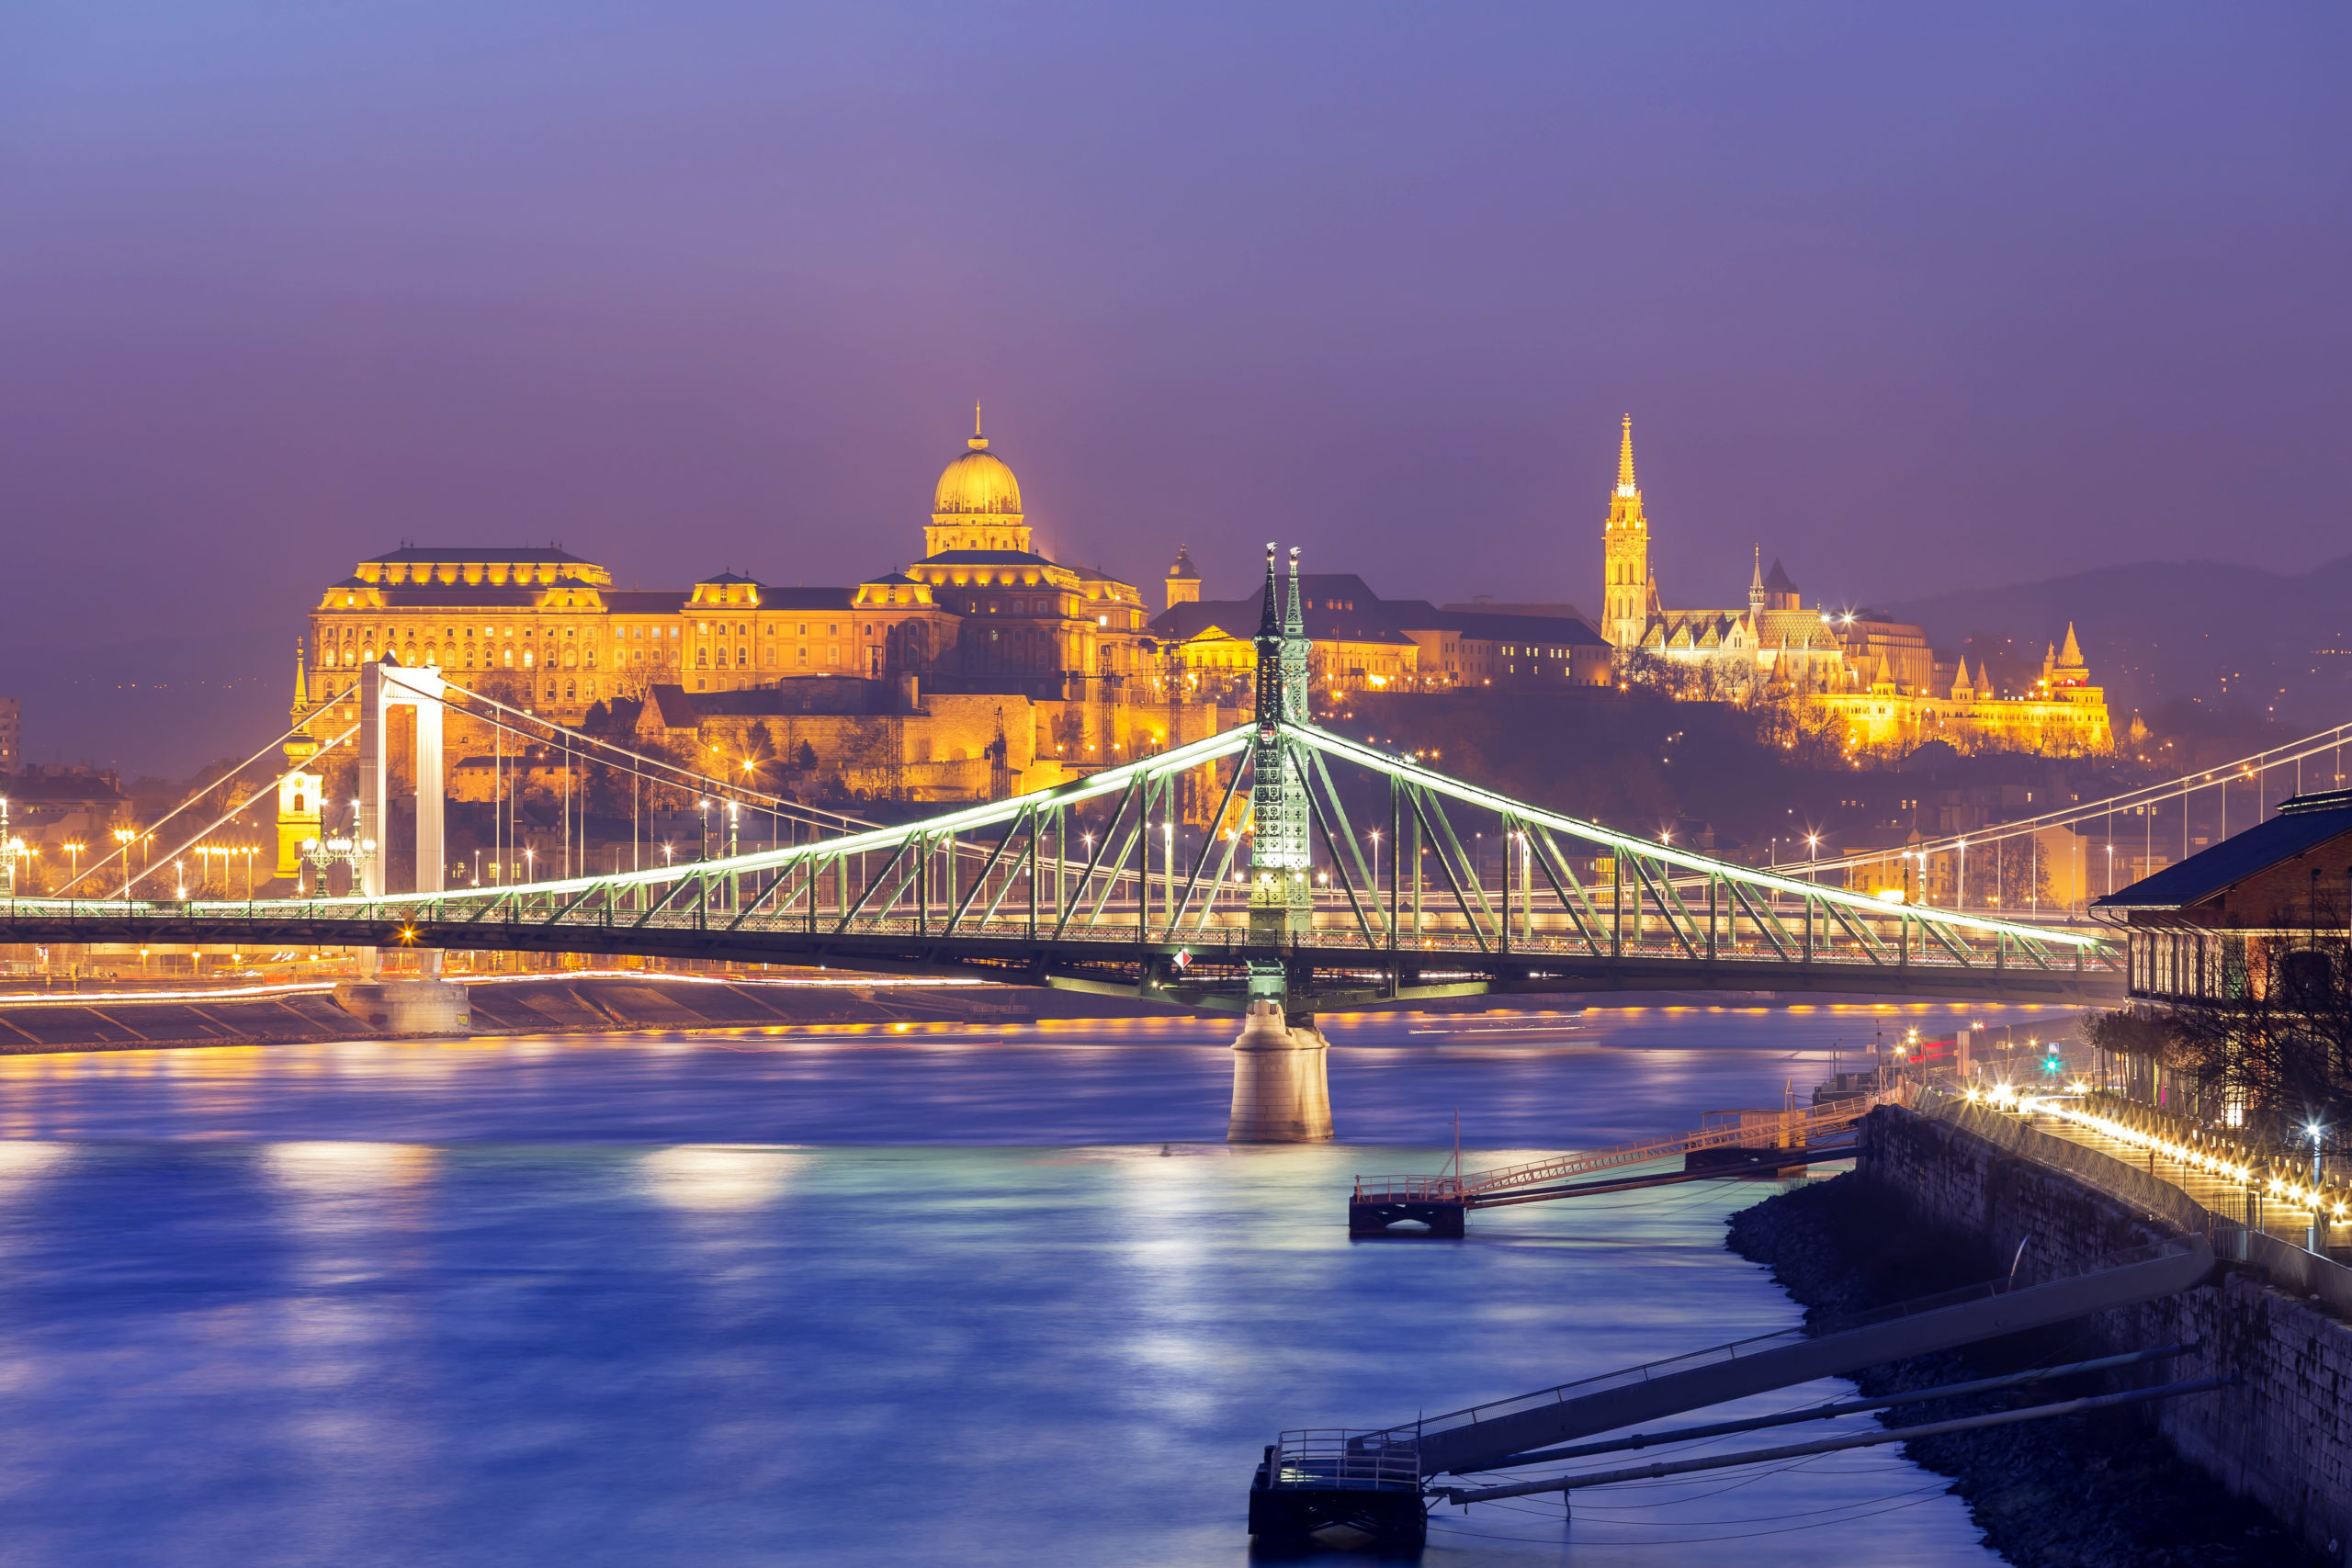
[[856, 1295]]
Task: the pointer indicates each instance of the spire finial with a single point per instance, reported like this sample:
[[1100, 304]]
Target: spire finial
[[1270, 616], [1625, 459], [979, 442]]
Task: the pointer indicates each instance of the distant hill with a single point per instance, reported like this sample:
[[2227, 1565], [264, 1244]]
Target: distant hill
[[160, 705], [2164, 631]]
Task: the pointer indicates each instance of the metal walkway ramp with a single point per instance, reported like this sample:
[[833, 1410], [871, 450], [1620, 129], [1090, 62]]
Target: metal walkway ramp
[[1440, 1202], [1310, 1480]]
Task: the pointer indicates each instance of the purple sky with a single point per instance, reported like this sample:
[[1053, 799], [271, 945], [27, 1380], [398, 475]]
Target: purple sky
[[1919, 297]]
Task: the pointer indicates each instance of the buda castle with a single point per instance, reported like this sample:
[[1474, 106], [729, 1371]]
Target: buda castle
[[1877, 679], [983, 657]]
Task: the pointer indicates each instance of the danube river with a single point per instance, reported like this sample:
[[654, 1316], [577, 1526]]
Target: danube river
[[854, 1295]]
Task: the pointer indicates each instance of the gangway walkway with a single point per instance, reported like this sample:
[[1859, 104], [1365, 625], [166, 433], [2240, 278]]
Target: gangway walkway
[[1440, 1202], [1308, 1481]]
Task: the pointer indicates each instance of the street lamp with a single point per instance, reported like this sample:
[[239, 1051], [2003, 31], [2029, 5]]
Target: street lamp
[[2319, 1215]]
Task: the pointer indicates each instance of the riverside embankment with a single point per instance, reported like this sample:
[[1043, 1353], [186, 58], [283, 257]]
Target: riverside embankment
[[2257, 1472], [536, 1004]]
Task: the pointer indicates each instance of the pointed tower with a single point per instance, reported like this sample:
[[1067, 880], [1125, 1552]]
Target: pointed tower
[[299, 809], [1756, 584], [2070, 670], [1627, 593], [1296, 698]]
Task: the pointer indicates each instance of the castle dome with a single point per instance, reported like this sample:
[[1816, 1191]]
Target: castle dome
[[977, 483]]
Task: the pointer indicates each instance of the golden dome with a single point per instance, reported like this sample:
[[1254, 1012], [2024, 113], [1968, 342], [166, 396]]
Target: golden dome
[[978, 481]]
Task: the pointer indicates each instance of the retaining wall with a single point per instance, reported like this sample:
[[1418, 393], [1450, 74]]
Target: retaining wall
[[2282, 1433]]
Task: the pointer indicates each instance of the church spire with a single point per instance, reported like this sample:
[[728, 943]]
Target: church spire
[[2071, 656], [301, 684], [1625, 459]]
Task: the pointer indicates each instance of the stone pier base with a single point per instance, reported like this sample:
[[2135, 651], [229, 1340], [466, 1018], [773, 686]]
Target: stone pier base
[[1282, 1086], [407, 1007]]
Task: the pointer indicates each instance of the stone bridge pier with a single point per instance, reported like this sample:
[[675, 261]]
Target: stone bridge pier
[[1282, 1085]]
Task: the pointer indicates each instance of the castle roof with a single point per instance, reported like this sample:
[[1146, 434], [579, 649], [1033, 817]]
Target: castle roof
[[1336, 606]]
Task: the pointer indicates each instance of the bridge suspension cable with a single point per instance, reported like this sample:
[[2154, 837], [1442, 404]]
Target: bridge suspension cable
[[799, 811], [226, 778]]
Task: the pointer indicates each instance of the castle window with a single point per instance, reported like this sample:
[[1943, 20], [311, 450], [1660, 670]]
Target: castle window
[[742, 657], [570, 691], [833, 655]]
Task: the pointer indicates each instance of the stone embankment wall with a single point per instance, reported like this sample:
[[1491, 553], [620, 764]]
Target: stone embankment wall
[[550, 1004], [2281, 1434]]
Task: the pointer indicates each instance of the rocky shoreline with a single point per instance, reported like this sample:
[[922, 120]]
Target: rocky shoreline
[[2096, 1491]]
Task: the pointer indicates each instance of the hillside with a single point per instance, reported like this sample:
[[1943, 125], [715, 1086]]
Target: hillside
[[2159, 632]]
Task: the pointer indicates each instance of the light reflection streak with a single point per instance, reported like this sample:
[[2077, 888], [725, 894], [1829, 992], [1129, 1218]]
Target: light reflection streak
[[719, 1178], [22, 1160], [347, 1169]]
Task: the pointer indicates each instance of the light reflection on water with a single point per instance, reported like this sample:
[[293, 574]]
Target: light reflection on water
[[845, 1296]]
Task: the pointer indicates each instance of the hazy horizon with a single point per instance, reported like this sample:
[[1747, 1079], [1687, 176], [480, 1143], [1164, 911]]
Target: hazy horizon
[[1907, 298]]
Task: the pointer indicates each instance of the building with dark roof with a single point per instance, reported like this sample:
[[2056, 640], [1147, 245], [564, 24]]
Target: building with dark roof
[[2195, 929], [1362, 642]]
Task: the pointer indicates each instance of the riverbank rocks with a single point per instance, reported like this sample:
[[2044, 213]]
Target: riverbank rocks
[[2098, 1491]]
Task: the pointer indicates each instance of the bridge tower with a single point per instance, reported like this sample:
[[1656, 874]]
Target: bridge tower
[[1280, 1061], [428, 1004]]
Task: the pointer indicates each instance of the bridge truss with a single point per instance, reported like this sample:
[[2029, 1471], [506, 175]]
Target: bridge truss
[[1079, 887]]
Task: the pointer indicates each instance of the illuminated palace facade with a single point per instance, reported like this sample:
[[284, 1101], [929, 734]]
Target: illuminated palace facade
[[979, 603], [1877, 679], [981, 651]]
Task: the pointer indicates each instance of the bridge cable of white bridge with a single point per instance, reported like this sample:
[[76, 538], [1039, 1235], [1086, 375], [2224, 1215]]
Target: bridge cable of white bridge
[[943, 827], [224, 781], [841, 821], [566, 735]]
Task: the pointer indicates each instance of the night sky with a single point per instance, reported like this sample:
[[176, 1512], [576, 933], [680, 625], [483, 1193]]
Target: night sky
[[1920, 297]]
